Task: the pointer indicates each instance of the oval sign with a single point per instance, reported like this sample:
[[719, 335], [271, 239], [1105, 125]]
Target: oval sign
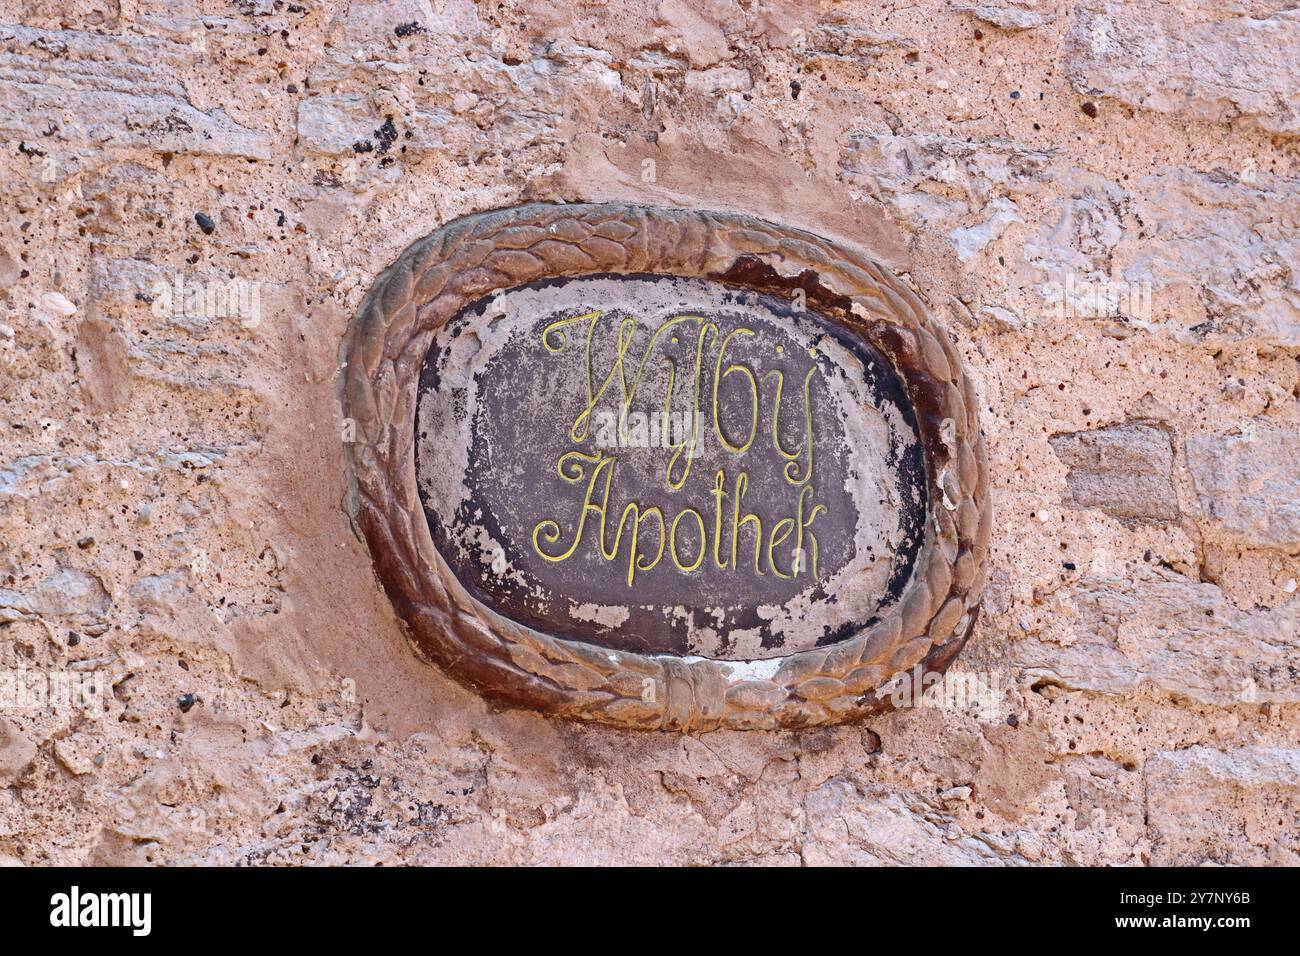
[[669, 465], [665, 468]]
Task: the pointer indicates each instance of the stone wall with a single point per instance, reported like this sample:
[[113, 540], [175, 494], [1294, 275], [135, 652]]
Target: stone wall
[[1099, 199]]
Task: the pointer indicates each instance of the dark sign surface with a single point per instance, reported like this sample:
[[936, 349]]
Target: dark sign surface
[[669, 465], [671, 469]]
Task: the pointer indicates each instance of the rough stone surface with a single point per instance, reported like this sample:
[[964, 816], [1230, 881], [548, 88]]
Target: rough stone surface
[[1100, 200], [16, 752], [1185, 638], [1237, 808], [79, 90], [1125, 470], [1248, 485], [1201, 60]]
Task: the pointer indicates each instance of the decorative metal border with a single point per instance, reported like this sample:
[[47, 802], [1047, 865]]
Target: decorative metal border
[[434, 278]]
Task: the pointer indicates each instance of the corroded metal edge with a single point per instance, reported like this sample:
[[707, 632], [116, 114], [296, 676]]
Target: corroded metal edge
[[469, 258]]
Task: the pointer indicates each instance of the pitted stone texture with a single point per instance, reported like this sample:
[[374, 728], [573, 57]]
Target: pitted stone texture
[[219, 459]]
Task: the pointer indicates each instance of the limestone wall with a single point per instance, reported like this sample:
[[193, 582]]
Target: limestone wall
[[1100, 201]]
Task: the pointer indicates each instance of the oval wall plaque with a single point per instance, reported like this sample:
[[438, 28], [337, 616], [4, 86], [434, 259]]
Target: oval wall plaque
[[668, 465], [665, 468]]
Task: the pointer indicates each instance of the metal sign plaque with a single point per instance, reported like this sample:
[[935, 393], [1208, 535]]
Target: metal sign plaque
[[668, 465], [665, 468]]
